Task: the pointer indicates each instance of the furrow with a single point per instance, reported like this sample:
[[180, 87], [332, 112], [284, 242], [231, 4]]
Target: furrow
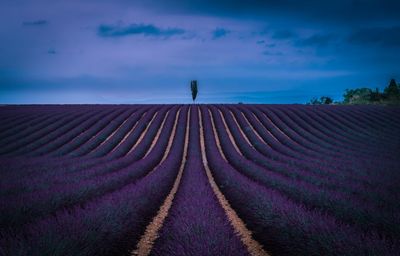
[[143, 134], [146, 242], [112, 134], [229, 133], [129, 133], [153, 143], [253, 247]]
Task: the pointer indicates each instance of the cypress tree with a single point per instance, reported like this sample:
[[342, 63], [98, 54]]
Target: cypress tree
[[193, 87]]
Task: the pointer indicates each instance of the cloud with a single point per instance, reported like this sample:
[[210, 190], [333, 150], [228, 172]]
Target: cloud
[[220, 32], [334, 12], [272, 53], [137, 29], [35, 23], [317, 40], [283, 34], [266, 44], [389, 36]]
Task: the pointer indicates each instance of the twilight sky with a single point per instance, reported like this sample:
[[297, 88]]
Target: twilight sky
[[128, 51]]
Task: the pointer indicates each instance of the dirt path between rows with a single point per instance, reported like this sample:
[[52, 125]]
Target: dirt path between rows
[[146, 242], [153, 143], [253, 247], [143, 134], [254, 130], [129, 133], [112, 134], [229, 133], [240, 129], [217, 139]]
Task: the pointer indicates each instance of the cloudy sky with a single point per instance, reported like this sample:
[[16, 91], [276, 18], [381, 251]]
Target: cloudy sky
[[127, 51]]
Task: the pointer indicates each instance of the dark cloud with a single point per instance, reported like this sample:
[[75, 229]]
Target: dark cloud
[[266, 44], [272, 53], [35, 23], [283, 34], [220, 32], [321, 42], [317, 40], [340, 11], [137, 29], [382, 36]]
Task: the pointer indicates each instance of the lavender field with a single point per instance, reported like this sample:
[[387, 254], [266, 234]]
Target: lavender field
[[199, 180]]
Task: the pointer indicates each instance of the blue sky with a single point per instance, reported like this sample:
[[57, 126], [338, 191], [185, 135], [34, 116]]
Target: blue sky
[[240, 51]]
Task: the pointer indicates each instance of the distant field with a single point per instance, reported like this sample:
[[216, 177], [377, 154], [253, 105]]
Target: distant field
[[199, 180]]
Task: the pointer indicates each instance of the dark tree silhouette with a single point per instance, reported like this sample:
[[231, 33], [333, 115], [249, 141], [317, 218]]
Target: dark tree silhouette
[[389, 96], [375, 96], [193, 87], [324, 100], [357, 96], [392, 90]]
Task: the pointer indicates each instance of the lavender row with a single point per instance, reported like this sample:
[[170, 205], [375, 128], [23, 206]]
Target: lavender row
[[30, 121], [46, 127], [310, 134], [268, 146], [26, 117], [61, 136], [12, 120], [345, 145], [11, 128], [304, 142], [282, 226], [368, 132], [342, 125], [335, 205], [372, 116], [30, 206], [325, 131], [43, 164], [80, 169], [86, 135], [196, 223], [361, 185], [344, 156], [290, 139], [117, 136], [100, 136], [320, 177], [34, 117], [110, 225], [281, 144]]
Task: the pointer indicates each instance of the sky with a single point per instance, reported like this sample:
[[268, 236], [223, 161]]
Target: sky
[[128, 51]]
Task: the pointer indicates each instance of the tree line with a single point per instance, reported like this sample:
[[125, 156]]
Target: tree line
[[390, 95]]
